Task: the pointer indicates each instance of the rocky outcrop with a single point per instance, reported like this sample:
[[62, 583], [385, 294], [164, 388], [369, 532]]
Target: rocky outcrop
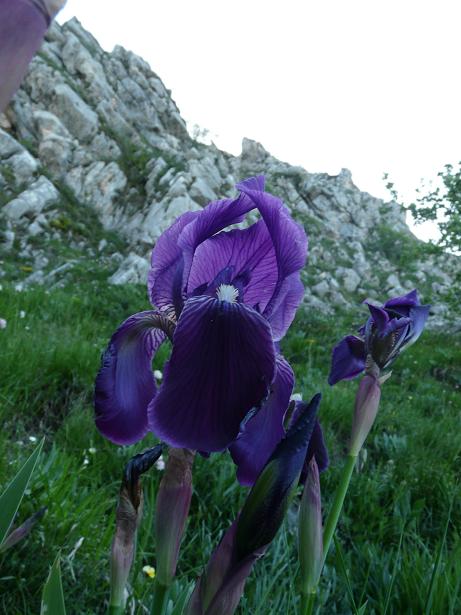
[[94, 154]]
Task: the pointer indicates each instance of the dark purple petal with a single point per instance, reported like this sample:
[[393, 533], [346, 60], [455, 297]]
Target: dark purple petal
[[418, 317], [222, 365], [405, 301], [290, 296], [257, 183], [348, 359], [267, 502], [318, 449], [247, 252], [261, 433], [380, 317], [125, 384], [22, 27], [213, 218], [317, 445], [288, 237], [165, 277]]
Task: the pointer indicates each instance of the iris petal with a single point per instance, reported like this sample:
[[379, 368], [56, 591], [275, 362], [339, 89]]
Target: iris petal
[[284, 308], [261, 434], [213, 218], [248, 251], [403, 303], [348, 359], [288, 237], [418, 317], [380, 317], [222, 364], [125, 384], [165, 277]]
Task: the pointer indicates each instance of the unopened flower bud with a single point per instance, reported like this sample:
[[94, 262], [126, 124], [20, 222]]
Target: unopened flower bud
[[220, 588], [172, 509], [310, 540], [22, 531], [128, 517], [366, 409]]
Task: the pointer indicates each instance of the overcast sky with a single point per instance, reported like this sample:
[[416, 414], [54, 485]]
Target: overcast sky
[[371, 86]]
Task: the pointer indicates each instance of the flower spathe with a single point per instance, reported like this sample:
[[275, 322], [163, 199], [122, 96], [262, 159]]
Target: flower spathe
[[389, 330], [224, 298]]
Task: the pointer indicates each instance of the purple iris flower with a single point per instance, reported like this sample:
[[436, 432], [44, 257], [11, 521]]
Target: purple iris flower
[[224, 298], [23, 24], [389, 330]]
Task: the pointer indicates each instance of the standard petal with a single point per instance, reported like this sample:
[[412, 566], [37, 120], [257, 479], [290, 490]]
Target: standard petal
[[261, 434], [248, 252], [403, 303], [222, 365], [288, 237], [165, 277], [348, 359], [290, 296], [125, 383], [418, 317], [213, 218], [380, 317]]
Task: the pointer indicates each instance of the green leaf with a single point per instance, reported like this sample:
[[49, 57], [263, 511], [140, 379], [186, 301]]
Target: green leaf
[[53, 596], [13, 494]]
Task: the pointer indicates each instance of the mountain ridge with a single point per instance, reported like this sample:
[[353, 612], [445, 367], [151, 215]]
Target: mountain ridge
[[96, 162]]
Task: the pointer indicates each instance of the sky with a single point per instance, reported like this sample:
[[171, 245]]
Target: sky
[[369, 85]]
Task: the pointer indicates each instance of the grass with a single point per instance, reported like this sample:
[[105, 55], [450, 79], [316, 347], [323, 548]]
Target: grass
[[399, 540]]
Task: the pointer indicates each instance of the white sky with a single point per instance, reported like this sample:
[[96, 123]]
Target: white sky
[[367, 85]]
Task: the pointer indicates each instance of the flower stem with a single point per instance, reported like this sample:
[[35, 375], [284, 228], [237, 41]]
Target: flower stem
[[335, 512], [307, 604], [116, 609], [160, 598]]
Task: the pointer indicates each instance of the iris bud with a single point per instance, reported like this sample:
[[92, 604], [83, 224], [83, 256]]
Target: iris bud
[[127, 519], [310, 540], [172, 509], [365, 411]]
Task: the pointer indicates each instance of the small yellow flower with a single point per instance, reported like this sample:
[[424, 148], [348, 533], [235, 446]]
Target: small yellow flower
[[149, 571]]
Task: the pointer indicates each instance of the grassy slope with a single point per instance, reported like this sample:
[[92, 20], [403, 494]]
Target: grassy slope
[[409, 476]]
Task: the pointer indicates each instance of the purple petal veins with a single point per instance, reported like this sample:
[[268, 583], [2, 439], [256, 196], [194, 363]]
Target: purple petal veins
[[125, 383], [222, 364]]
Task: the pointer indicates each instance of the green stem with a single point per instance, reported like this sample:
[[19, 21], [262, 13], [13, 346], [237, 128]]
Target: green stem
[[116, 609], [307, 604], [160, 598], [335, 512]]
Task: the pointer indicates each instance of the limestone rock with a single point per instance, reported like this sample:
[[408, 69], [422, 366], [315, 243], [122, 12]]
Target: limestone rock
[[33, 200], [133, 270]]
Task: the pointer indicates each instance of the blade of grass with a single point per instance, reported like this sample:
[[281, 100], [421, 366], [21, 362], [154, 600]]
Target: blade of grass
[[427, 606], [394, 572], [342, 566]]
